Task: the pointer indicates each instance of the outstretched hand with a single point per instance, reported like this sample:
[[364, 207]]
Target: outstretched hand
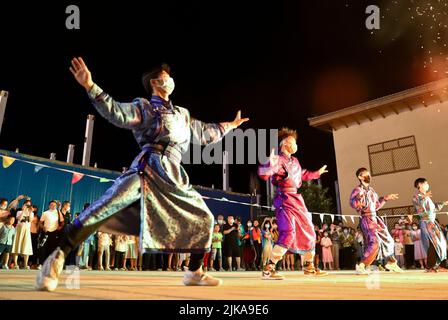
[[81, 73], [237, 122], [323, 170], [273, 158], [393, 196]]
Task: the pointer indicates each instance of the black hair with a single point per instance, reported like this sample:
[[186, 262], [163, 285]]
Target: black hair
[[231, 215], [65, 202], [418, 181], [86, 205], [360, 170], [52, 201], [154, 73], [3, 200]]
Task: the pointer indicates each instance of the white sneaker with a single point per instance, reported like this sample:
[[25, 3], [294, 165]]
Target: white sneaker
[[393, 267], [361, 269], [48, 276], [5, 267], [199, 278], [269, 273]]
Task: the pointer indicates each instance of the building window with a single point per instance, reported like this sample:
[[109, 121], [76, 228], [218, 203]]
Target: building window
[[393, 156], [392, 215]]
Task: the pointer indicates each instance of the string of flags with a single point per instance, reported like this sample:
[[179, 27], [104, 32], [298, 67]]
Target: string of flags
[[322, 215], [76, 176]]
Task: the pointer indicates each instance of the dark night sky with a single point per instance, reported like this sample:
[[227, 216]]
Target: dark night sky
[[280, 62]]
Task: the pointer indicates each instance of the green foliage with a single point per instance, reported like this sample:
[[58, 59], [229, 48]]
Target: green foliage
[[317, 200]]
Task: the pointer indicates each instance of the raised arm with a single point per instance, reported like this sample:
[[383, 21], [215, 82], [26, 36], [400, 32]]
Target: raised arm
[[207, 133], [123, 115]]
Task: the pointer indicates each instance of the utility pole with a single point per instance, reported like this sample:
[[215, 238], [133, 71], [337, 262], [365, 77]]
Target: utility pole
[[88, 140]]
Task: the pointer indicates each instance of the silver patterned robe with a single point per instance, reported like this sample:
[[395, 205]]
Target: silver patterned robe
[[159, 205]]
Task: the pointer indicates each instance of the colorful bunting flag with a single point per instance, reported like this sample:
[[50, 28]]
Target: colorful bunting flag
[[76, 177], [37, 168], [322, 217], [7, 161], [344, 218], [105, 180]]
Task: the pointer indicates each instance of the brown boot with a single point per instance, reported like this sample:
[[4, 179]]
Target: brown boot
[[269, 273], [310, 270]]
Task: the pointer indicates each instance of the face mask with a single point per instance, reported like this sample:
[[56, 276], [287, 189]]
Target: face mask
[[293, 148], [249, 224], [3, 207], [220, 221], [325, 234], [168, 85], [267, 226], [346, 231], [426, 187], [415, 228]]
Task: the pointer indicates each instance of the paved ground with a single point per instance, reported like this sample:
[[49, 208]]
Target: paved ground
[[153, 285]]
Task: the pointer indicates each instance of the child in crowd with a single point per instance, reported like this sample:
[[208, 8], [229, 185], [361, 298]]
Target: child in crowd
[[7, 233], [120, 252], [216, 248], [327, 257], [399, 250]]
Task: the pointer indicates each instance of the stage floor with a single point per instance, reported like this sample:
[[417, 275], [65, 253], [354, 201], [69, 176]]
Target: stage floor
[[154, 285]]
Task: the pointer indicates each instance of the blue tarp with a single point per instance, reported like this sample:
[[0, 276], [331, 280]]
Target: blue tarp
[[43, 180]]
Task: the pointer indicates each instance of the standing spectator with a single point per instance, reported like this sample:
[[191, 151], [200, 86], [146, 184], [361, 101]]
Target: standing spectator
[[397, 231], [120, 252], [335, 233], [221, 222], [249, 249], [408, 247], [183, 257], [7, 233], [399, 249], [346, 240], [327, 257], [267, 242], [216, 249], [104, 243], [11, 209], [131, 252], [83, 253], [256, 237], [231, 236], [359, 245], [288, 261], [50, 224], [419, 252], [34, 229], [22, 241], [240, 239], [318, 249]]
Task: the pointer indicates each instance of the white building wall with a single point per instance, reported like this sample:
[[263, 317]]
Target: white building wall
[[430, 128]]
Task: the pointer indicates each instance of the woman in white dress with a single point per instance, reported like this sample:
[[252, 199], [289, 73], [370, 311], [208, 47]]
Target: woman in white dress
[[22, 242]]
